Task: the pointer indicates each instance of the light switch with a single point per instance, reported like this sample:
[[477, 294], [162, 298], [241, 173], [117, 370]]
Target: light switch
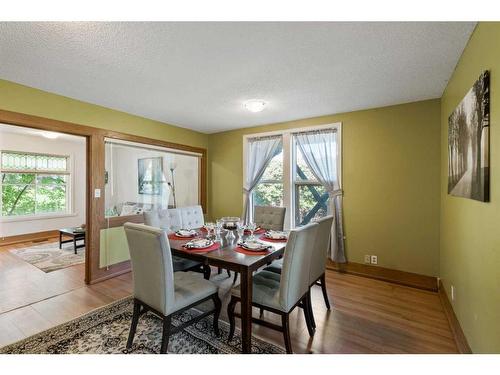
[[97, 193]]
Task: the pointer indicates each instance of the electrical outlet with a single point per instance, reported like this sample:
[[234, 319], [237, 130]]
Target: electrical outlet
[[452, 293], [374, 259], [367, 259]]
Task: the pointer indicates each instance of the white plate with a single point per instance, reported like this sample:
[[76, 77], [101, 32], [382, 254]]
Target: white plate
[[276, 235], [201, 243], [254, 245], [185, 233]]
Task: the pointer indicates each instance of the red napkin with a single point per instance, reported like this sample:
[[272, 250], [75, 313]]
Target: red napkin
[[239, 249], [173, 236], [215, 246], [257, 231], [264, 238]]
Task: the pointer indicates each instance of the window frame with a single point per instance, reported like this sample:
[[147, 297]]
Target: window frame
[[37, 172], [289, 163]]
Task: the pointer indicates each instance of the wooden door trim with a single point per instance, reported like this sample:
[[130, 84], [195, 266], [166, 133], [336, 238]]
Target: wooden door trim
[[95, 179]]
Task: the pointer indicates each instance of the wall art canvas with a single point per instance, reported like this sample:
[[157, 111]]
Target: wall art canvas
[[468, 143]]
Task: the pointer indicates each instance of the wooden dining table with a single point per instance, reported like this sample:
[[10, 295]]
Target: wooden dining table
[[226, 257]]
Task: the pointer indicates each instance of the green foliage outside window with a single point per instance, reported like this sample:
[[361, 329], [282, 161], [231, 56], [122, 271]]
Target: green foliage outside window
[[31, 193], [309, 199]]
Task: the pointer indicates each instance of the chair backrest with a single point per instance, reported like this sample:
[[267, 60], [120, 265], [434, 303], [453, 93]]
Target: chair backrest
[[168, 220], [269, 217], [320, 248], [152, 268], [192, 217], [294, 282]]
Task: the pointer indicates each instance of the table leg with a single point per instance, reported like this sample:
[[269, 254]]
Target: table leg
[[74, 243], [60, 240], [246, 286]]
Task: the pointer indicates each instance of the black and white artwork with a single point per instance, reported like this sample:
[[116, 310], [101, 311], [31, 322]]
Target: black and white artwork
[[468, 143], [150, 176]]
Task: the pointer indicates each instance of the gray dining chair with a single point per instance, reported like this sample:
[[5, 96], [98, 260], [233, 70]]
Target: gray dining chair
[[269, 217], [281, 293], [170, 220], [160, 290], [319, 252]]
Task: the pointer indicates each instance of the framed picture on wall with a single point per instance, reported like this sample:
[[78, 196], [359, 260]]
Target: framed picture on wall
[[150, 176], [469, 143]]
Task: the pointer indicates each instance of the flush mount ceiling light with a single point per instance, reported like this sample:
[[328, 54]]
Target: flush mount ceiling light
[[50, 135], [255, 105]]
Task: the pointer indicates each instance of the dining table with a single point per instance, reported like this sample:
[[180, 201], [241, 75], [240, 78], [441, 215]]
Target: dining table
[[227, 257]]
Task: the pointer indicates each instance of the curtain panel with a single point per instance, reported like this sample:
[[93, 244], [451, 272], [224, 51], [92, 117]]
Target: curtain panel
[[260, 151], [320, 151]]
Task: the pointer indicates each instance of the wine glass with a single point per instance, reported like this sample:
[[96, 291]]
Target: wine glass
[[240, 228], [218, 228], [210, 228], [251, 227]]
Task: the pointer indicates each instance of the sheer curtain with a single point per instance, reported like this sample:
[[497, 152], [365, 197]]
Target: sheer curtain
[[260, 151], [320, 152]]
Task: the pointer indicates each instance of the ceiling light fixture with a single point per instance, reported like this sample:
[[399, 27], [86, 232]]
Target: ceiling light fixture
[[50, 135], [255, 105]]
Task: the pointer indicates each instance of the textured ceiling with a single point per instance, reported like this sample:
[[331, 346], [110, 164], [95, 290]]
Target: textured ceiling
[[197, 75]]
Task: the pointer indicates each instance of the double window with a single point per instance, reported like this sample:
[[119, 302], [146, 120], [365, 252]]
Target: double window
[[289, 182], [34, 184]]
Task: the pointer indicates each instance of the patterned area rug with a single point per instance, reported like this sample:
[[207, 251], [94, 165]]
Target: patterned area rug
[[48, 257], [105, 331]]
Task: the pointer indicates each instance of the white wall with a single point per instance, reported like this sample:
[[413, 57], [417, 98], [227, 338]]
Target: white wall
[[123, 176], [65, 145]]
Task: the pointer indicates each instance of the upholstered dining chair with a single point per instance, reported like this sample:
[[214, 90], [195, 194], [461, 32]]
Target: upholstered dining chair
[[269, 217], [319, 252], [158, 289], [170, 220], [281, 293]]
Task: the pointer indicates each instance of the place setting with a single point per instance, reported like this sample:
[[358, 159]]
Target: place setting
[[252, 247], [274, 236], [182, 234], [201, 245]]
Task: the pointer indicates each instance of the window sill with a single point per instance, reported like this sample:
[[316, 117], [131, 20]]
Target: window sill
[[35, 217]]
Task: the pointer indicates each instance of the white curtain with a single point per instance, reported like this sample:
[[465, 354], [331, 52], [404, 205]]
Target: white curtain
[[319, 149], [260, 151]]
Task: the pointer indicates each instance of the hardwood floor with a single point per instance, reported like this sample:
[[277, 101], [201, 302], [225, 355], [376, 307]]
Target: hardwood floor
[[367, 316]]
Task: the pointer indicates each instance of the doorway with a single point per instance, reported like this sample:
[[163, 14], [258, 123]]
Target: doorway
[[43, 214]]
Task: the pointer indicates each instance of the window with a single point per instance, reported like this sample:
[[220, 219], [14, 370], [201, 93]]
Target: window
[[34, 184], [310, 198], [289, 182], [269, 190]]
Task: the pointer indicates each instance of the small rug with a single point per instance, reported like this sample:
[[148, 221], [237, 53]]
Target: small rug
[[105, 331], [48, 257]]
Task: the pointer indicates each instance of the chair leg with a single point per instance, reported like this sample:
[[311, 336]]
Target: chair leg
[[311, 312], [286, 333], [165, 334], [261, 312], [325, 294], [230, 315], [228, 273], [218, 305], [133, 326], [235, 277], [206, 271], [307, 315], [219, 270]]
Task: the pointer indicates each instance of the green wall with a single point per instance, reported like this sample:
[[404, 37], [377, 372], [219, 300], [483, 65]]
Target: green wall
[[19, 98], [470, 235], [391, 181]]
